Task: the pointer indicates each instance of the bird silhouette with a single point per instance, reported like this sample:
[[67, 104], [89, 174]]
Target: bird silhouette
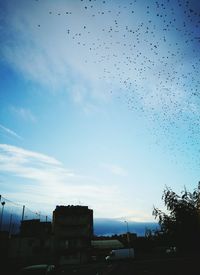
[[151, 50]]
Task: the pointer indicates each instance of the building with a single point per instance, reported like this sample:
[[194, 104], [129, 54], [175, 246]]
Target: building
[[4, 241], [72, 231], [33, 244], [35, 228]]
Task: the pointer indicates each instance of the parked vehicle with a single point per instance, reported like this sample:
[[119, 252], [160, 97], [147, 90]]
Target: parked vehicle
[[120, 254], [42, 269], [171, 250]]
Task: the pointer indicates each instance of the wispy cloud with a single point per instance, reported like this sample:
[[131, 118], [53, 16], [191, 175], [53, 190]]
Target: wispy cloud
[[23, 113], [41, 181], [115, 169], [8, 131], [34, 55], [47, 182], [32, 165], [137, 216]]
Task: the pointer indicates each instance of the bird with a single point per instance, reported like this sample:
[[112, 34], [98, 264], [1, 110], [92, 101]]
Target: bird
[[151, 50]]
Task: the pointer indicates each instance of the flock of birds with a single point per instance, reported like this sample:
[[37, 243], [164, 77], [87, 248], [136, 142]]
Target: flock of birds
[[151, 51]]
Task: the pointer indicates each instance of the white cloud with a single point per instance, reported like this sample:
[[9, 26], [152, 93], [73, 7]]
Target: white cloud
[[115, 169], [43, 51], [26, 155], [32, 165], [46, 182], [137, 216], [9, 132], [41, 181], [23, 113]]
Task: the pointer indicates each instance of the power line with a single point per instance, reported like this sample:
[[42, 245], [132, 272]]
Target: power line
[[15, 211]]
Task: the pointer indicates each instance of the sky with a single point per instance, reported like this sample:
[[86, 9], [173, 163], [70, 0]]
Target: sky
[[99, 103]]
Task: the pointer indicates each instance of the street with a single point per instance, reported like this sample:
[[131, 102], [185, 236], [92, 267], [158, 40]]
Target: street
[[172, 266]]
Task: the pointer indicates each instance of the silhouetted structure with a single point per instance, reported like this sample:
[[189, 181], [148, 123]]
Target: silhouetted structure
[[72, 230], [34, 243], [4, 240], [35, 228]]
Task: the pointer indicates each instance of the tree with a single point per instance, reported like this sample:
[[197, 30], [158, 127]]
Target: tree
[[181, 225]]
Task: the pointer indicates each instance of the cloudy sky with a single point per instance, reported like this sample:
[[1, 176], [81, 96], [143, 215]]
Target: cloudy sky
[[99, 103]]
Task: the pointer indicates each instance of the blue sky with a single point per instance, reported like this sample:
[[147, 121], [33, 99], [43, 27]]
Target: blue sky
[[99, 103]]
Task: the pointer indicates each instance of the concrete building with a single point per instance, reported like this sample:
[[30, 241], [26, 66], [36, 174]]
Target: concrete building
[[35, 228], [72, 231], [66, 240], [33, 244]]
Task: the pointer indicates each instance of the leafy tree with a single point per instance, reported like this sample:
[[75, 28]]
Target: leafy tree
[[181, 225]]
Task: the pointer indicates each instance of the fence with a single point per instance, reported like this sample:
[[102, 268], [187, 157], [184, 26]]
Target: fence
[[12, 213]]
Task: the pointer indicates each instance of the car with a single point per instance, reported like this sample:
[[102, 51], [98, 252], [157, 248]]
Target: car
[[121, 254], [41, 269], [171, 250]]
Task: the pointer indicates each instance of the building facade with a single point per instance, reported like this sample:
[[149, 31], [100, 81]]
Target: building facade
[[33, 244], [72, 230]]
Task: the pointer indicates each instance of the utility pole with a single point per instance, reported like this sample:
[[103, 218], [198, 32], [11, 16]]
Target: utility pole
[[128, 239], [19, 244], [10, 226], [1, 221], [23, 210]]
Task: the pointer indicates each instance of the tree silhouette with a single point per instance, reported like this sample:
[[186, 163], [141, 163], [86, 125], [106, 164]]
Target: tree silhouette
[[181, 225]]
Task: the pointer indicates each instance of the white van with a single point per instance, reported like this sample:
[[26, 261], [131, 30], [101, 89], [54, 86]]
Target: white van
[[120, 254]]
